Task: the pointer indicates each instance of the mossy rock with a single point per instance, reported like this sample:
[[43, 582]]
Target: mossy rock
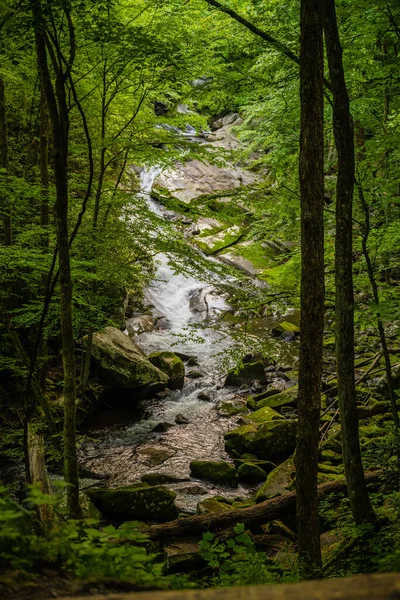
[[245, 374], [332, 444], [250, 473], [286, 398], [210, 244], [263, 415], [123, 365], [170, 364], [285, 327], [210, 506], [217, 472], [331, 458], [139, 501], [266, 465], [330, 343], [278, 481], [266, 441], [331, 469], [230, 408]]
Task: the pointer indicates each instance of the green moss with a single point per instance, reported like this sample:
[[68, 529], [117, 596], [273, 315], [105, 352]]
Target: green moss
[[331, 458], [265, 441], [250, 473], [285, 327], [264, 415], [217, 472], [211, 506], [245, 374], [139, 501], [278, 481], [285, 398], [170, 364]]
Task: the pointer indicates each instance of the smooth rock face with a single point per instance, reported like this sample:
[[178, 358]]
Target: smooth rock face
[[170, 364], [239, 262], [246, 373], [218, 472], [265, 441], [192, 179], [122, 364], [140, 324], [137, 502]]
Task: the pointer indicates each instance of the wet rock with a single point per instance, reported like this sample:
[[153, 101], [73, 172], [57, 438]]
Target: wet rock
[[122, 364], [155, 455], [226, 120], [285, 327], [189, 180], [217, 472], [162, 427], [278, 481], [206, 302], [170, 364], [230, 408], [251, 473], [192, 362], [246, 374], [256, 387], [180, 419], [263, 415], [194, 375], [139, 501], [218, 241], [266, 441], [206, 396], [160, 108], [240, 263], [160, 478], [210, 506], [140, 324]]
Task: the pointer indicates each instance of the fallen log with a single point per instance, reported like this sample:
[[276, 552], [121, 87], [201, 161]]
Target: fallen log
[[270, 510], [362, 587]]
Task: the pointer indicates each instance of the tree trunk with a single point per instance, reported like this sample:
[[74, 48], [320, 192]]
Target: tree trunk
[[344, 303], [38, 472], [8, 238], [312, 284], [270, 510], [56, 102]]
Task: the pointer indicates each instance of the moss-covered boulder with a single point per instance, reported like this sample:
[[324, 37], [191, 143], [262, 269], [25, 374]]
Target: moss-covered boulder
[[170, 364], [217, 472], [251, 473], [266, 441], [278, 481], [138, 501], [285, 327], [121, 364], [210, 506], [246, 373], [263, 415], [286, 398]]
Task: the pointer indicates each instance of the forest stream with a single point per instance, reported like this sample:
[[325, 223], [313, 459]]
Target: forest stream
[[173, 428]]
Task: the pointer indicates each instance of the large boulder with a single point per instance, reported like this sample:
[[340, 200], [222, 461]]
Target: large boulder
[[246, 373], [170, 364], [278, 481], [123, 365], [274, 438], [251, 473], [138, 501], [286, 398], [217, 472]]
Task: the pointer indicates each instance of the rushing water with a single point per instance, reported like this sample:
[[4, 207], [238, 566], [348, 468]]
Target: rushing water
[[194, 427]]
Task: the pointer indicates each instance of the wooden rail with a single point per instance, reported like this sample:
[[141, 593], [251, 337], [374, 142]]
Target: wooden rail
[[363, 587]]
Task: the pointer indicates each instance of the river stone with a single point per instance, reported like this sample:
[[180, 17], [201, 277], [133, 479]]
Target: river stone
[[286, 398], [285, 327], [138, 501], [170, 364], [266, 441], [223, 239], [160, 478], [250, 473], [278, 481], [123, 365], [210, 506], [245, 374], [217, 472], [140, 324]]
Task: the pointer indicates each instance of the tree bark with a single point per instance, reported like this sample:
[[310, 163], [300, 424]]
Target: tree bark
[[277, 508], [56, 102], [8, 237], [311, 169], [38, 472], [344, 294]]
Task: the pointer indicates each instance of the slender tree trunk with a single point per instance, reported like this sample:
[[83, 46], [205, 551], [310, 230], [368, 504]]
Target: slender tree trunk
[[312, 284], [375, 293], [8, 237], [58, 112], [344, 303]]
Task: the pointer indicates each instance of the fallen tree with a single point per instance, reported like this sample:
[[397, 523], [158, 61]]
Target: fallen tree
[[276, 508]]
